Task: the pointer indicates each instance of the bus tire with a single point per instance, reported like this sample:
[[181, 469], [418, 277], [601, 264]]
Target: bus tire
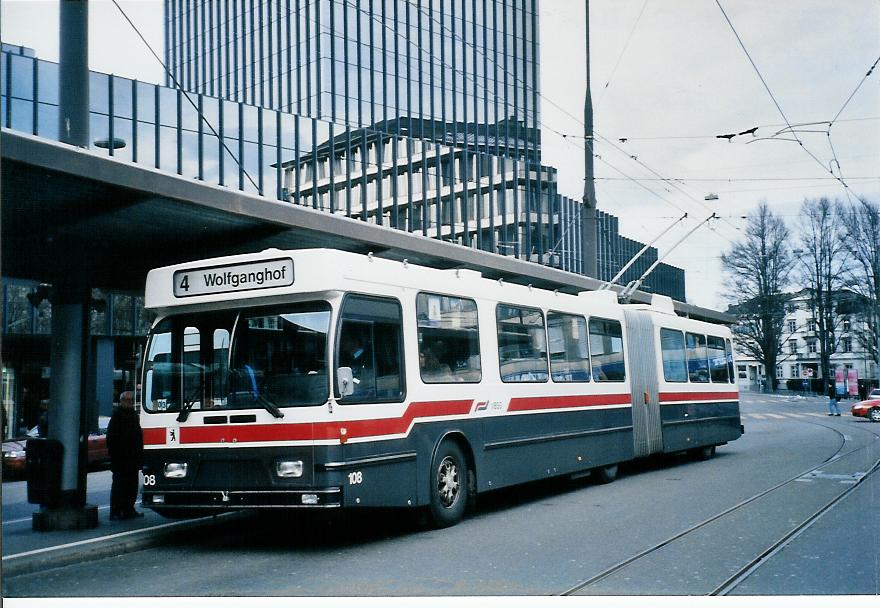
[[449, 485], [705, 453], [607, 474]]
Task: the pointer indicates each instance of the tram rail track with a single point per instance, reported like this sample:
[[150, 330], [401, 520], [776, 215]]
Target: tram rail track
[[730, 583]]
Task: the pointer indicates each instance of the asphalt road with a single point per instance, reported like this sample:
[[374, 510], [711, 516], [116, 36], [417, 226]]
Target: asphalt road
[[670, 527]]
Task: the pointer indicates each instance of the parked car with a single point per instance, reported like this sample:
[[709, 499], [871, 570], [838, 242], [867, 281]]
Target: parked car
[[869, 408], [14, 450]]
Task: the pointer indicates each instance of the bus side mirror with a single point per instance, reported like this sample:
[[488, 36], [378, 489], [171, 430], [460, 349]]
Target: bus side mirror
[[345, 381]]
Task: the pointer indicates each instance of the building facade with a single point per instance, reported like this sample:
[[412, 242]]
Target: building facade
[[424, 115], [800, 356]]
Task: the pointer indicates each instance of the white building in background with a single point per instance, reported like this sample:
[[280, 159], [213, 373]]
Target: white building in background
[[799, 358]]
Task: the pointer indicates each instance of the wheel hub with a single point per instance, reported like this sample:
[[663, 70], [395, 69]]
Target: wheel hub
[[447, 481]]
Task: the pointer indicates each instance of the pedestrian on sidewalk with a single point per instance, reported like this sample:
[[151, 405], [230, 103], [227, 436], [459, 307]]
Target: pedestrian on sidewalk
[[833, 408], [125, 443]]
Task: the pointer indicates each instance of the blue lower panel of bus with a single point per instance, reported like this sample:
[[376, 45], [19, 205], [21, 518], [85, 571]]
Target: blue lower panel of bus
[[539, 446], [688, 426]]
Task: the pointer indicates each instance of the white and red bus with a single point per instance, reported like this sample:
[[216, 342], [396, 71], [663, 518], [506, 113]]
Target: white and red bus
[[321, 378]]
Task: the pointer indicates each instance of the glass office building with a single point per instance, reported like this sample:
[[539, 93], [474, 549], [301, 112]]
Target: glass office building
[[468, 67], [428, 110]]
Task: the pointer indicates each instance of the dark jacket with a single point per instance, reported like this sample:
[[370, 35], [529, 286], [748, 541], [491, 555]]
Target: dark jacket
[[125, 440]]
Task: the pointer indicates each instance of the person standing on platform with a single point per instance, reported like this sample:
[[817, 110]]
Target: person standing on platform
[[125, 443]]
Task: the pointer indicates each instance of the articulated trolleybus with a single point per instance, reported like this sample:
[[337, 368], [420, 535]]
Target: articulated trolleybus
[[321, 378]]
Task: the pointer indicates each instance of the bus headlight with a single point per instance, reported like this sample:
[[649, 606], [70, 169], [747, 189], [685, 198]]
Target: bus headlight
[[289, 468], [175, 470]]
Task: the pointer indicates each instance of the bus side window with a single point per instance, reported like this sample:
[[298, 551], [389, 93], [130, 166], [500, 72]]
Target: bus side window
[[370, 342], [698, 358], [674, 361], [606, 350], [522, 344], [449, 339], [569, 352], [730, 371], [717, 360]]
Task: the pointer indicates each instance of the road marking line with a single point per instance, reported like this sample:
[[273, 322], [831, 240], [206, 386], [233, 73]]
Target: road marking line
[[793, 415], [777, 416], [757, 416]]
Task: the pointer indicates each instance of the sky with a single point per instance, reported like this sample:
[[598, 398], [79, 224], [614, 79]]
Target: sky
[[667, 77]]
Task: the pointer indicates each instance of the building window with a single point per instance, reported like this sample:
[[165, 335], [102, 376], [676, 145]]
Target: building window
[[846, 345], [779, 372], [811, 324], [792, 326], [794, 371], [792, 347], [846, 324], [811, 347]]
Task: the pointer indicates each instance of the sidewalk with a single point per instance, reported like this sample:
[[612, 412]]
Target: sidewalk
[[26, 551]]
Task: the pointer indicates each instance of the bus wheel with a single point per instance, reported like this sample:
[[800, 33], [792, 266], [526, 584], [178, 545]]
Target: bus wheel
[[705, 453], [606, 474], [449, 485]]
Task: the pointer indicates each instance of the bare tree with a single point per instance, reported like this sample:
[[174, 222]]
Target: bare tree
[[823, 268], [759, 267], [862, 225]]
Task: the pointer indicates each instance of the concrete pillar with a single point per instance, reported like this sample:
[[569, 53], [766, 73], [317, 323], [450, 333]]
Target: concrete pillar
[[67, 397]]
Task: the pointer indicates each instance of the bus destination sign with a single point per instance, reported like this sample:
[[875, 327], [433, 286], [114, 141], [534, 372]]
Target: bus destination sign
[[233, 277]]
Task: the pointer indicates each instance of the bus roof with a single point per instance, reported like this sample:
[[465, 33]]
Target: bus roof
[[248, 279]]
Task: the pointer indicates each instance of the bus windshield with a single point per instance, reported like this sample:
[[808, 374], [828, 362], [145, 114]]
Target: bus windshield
[[252, 358]]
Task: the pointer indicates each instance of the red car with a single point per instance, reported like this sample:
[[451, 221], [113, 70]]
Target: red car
[[870, 408], [14, 457]]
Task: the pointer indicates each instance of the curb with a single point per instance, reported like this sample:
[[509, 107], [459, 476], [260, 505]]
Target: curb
[[39, 560]]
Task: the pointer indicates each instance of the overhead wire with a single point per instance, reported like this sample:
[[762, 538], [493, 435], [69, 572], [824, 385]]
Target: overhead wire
[[790, 129], [622, 52]]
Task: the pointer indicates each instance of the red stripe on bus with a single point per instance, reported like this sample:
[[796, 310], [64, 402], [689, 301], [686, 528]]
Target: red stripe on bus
[[315, 431], [719, 396], [154, 436], [521, 404]]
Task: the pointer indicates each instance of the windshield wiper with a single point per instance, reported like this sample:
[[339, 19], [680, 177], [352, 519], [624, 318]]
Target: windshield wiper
[[186, 408], [270, 406]]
